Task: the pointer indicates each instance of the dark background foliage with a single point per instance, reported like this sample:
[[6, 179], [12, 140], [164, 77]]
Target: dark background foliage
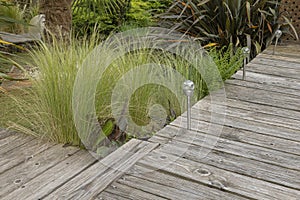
[[249, 23]]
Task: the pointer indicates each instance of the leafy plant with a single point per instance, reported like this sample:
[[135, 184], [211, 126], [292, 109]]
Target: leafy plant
[[107, 15], [227, 62], [115, 15], [241, 22], [144, 13]]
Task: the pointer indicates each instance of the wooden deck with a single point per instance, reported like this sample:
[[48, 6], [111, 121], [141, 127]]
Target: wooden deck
[[257, 156]]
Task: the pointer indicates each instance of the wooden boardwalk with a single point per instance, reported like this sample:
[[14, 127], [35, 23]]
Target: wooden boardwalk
[[257, 155]]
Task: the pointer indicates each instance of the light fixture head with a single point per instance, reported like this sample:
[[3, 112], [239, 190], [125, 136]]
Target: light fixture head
[[188, 88], [278, 33], [246, 51]]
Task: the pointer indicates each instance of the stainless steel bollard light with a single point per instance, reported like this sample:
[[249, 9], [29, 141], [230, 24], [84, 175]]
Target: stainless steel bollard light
[[188, 89], [278, 34], [246, 53]]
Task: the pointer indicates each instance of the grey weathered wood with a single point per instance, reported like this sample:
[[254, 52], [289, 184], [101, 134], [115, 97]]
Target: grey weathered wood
[[127, 192], [26, 171], [218, 178], [230, 162], [279, 90], [266, 79], [22, 154], [276, 57], [258, 153], [263, 97], [53, 178], [110, 196], [262, 59], [286, 52], [95, 179], [234, 122], [250, 115], [159, 189], [261, 108], [249, 137], [157, 175], [13, 141], [5, 133], [274, 70]]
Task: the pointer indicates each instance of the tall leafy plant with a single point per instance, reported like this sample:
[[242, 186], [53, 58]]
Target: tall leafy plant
[[241, 22]]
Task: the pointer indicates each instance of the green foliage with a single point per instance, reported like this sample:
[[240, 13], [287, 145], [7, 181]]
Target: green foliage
[[107, 15], [11, 18], [227, 60], [143, 13], [115, 15], [241, 22], [47, 110]]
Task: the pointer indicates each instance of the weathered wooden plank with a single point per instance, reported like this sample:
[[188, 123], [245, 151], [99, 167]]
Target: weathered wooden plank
[[111, 196], [238, 123], [230, 162], [272, 88], [287, 47], [5, 133], [259, 108], [273, 70], [218, 178], [285, 52], [128, 192], [158, 189], [295, 115], [244, 136], [26, 171], [21, 154], [262, 59], [96, 178], [13, 141], [258, 153], [53, 178], [155, 175], [266, 79], [276, 57], [263, 97], [249, 115]]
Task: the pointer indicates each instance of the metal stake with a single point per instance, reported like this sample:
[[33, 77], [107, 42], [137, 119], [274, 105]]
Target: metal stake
[[188, 89], [246, 52], [278, 34]]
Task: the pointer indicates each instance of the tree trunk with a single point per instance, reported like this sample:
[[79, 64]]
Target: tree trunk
[[58, 16]]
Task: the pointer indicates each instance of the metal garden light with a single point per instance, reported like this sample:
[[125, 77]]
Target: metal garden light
[[188, 89], [278, 34], [246, 52]]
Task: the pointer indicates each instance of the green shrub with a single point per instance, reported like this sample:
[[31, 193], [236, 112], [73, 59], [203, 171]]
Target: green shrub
[[144, 13], [115, 15], [241, 22], [227, 61], [47, 111], [107, 15]]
